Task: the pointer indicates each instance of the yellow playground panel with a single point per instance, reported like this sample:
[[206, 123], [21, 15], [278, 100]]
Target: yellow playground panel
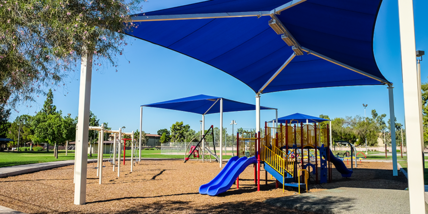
[[310, 135]]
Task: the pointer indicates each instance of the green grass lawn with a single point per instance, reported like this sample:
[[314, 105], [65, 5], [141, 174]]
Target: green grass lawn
[[404, 165], [21, 158]]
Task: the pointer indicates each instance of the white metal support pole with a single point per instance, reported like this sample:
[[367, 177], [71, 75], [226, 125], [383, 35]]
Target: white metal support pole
[[98, 155], [411, 107], [203, 141], [221, 132], [141, 130], [132, 150], [77, 159], [81, 161], [392, 129], [119, 148], [276, 116], [114, 150], [102, 153], [257, 113]]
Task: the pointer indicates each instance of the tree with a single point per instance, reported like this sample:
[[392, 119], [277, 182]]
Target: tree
[[52, 130], [4, 123], [42, 116], [48, 107], [69, 127], [178, 131], [164, 138], [41, 41], [20, 130], [163, 132], [424, 93], [143, 137]]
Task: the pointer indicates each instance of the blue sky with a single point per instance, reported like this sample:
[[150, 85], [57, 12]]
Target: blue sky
[[149, 73]]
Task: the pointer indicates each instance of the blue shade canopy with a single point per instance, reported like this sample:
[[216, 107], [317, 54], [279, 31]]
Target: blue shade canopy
[[334, 36], [300, 118], [201, 104]]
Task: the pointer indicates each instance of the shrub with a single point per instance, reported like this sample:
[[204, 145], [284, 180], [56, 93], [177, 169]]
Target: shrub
[[37, 148], [24, 149]]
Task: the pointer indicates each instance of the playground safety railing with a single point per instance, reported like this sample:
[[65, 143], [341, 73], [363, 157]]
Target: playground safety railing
[[289, 162], [277, 162]]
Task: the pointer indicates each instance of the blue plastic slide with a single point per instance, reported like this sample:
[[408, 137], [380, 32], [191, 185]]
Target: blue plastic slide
[[340, 166], [231, 175], [204, 188]]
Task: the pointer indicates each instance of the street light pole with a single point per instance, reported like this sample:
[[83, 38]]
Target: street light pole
[[365, 118]]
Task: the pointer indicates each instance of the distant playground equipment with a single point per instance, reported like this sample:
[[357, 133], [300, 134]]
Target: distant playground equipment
[[194, 150], [349, 155], [283, 156], [116, 146]]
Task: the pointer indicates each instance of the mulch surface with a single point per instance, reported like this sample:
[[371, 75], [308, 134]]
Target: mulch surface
[[166, 187]]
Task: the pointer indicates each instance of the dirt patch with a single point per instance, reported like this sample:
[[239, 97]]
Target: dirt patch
[[165, 187]]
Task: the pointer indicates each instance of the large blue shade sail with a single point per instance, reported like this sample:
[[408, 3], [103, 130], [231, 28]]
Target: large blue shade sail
[[204, 104], [300, 118], [336, 37]]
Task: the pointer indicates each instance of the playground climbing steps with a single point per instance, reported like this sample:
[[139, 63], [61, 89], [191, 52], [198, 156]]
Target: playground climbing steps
[[279, 165]]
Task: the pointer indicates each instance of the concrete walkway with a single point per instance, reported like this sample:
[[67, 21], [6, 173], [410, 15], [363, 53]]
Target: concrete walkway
[[5, 210], [348, 200]]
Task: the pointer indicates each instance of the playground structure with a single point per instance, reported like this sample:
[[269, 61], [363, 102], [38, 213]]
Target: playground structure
[[197, 147], [117, 142], [281, 152]]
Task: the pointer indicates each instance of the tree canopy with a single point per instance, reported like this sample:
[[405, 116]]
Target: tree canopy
[[41, 41]]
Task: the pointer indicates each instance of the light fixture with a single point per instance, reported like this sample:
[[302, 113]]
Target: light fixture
[[420, 53]]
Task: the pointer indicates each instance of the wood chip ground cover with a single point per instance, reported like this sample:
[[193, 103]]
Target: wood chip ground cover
[[167, 187]]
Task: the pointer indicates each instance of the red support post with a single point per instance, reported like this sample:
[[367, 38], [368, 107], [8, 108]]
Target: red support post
[[255, 165], [282, 135], [237, 154], [266, 134], [316, 155], [295, 152], [258, 162], [301, 143], [124, 151], [124, 148], [328, 153], [286, 137]]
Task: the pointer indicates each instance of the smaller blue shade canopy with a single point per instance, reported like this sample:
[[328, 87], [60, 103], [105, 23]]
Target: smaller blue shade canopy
[[300, 118], [204, 104]]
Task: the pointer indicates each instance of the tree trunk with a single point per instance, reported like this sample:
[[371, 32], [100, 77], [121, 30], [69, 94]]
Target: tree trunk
[[56, 151], [66, 148], [47, 147]]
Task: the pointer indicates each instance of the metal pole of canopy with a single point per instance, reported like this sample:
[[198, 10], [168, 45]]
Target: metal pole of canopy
[[411, 107], [81, 158], [141, 132], [203, 141], [114, 150], [392, 130], [221, 132]]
